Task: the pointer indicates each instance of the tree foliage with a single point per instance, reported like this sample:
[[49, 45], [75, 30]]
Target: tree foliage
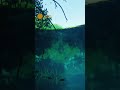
[[17, 3], [44, 23]]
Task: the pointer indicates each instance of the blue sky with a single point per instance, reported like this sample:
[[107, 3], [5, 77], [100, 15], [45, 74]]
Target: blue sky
[[74, 10]]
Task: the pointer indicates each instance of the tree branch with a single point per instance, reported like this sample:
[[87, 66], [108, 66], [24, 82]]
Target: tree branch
[[56, 3]]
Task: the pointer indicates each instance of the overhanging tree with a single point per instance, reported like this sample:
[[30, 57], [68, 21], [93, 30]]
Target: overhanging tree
[[45, 21]]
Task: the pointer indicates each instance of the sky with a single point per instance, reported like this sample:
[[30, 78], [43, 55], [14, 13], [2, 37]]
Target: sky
[[74, 10]]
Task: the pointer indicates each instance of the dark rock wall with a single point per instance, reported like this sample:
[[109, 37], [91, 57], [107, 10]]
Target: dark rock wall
[[73, 36], [16, 35], [103, 27]]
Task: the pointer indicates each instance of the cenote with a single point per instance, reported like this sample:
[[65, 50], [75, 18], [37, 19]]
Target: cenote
[[60, 59]]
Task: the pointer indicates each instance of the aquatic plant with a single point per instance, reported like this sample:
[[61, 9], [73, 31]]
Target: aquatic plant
[[49, 72], [61, 52], [38, 58], [71, 57], [74, 67]]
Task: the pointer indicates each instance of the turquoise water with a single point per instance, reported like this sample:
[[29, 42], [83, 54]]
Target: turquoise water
[[60, 60]]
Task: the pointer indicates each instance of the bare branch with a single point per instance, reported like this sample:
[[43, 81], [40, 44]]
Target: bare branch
[[56, 3], [52, 24]]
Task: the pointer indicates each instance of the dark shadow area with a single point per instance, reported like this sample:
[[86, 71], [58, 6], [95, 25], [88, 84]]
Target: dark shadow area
[[103, 46], [16, 42]]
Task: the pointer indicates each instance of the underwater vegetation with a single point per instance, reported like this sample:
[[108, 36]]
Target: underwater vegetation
[[46, 70], [59, 64], [61, 52], [60, 60], [48, 73]]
